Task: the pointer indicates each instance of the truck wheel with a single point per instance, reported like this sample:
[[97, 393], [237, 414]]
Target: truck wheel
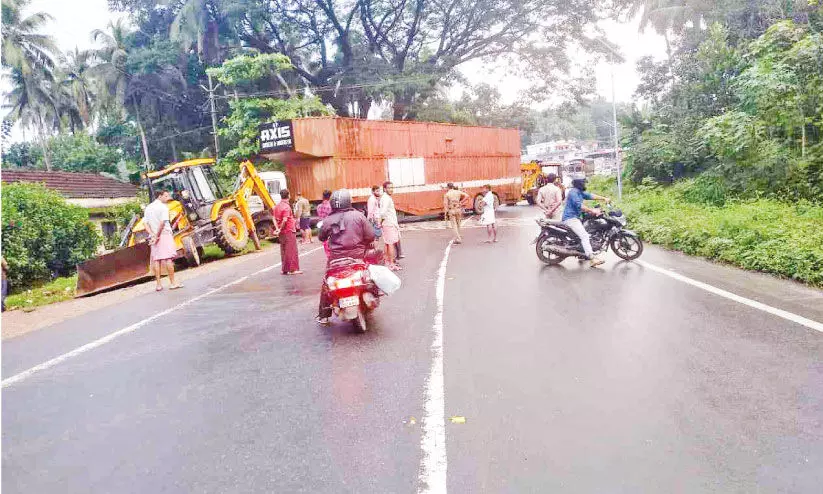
[[191, 252], [230, 231]]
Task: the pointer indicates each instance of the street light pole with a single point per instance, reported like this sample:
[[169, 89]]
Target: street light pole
[[616, 141]]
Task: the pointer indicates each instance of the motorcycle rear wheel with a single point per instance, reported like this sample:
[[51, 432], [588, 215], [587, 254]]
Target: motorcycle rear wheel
[[360, 323], [626, 247], [550, 258]]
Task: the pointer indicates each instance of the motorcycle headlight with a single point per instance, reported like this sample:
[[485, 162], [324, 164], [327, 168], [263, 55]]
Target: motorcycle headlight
[[621, 220]]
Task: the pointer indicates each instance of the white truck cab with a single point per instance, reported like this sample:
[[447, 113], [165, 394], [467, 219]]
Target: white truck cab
[[275, 182]]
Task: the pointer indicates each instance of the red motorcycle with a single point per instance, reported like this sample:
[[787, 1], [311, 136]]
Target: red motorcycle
[[352, 292]]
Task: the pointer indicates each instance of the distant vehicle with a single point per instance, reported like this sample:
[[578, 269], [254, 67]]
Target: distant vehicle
[[534, 176]]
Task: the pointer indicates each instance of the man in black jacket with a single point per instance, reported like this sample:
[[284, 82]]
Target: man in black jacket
[[349, 234]]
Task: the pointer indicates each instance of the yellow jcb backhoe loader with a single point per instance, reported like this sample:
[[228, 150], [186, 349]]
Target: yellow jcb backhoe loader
[[199, 215]]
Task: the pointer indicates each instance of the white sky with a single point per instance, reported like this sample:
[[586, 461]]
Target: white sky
[[75, 19]]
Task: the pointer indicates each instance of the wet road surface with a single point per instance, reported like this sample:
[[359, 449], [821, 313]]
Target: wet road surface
[[570, 379]]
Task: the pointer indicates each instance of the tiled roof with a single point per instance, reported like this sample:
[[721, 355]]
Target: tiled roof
[[73, 185]]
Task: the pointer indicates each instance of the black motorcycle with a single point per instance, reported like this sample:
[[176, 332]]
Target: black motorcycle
[[557, 241]]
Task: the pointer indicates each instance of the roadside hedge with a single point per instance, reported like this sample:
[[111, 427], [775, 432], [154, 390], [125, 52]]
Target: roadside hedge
[[697, 218], [43, 235]]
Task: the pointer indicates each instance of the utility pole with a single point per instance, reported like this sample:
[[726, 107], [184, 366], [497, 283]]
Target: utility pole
[[211, 89], [616, 141]]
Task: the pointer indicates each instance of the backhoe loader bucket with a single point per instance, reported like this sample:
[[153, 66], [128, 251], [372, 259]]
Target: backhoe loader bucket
[[111, 270]]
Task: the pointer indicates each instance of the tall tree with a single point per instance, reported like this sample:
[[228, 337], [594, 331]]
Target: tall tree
[[25, 47], [404, 49], [77, 81], [28, 53], [111, 71]]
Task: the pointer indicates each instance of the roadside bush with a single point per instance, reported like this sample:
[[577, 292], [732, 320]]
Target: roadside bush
[[706, 189], [121, 215], [43, 236], [757, 234]]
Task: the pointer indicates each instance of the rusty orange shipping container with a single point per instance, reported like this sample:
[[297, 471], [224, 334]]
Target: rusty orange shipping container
[[420, 158]]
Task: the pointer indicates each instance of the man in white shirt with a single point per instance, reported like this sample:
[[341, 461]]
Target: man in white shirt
[[161, 238], [389, 224], [373, 204], [550, 199]]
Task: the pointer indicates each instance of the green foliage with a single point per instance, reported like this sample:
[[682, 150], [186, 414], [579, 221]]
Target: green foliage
[[706, 190], [82, 153], [758, 234], [43, 236], [746, 110], [240, 127], [121, 214], [57, 290], [246, 69], [22, 155]]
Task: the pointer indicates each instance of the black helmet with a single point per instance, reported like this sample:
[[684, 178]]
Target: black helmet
[[340, 200], [579, 183]]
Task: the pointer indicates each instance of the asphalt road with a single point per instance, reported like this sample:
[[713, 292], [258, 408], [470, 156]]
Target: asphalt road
[[570, 379]]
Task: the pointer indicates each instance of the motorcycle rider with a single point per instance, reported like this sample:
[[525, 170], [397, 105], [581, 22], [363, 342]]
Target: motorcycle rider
[[349, 234], [574, 209]]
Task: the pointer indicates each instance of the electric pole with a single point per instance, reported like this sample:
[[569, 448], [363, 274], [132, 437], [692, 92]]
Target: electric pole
[[616, 142], [211, 89]]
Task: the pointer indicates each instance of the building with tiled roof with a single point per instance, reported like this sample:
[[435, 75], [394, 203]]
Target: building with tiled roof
[[90, 190]]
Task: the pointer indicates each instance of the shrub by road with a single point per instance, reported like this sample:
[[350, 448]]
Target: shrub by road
[[761, 234]]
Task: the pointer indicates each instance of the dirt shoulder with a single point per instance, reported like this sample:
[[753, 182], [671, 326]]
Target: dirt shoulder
[[16, 323]]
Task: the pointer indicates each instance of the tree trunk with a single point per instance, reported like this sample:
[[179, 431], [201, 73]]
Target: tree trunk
[[173, 150], [142, 138], [43, 142], [669, 56]]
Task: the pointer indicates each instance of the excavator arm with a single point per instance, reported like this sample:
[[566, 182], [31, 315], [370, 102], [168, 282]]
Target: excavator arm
[[250, 183]]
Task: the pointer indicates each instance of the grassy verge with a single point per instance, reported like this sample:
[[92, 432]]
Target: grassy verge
[[759, 234], [57, 290]]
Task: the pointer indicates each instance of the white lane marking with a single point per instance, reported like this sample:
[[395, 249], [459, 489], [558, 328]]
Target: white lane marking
[[433, 463], [789, 316], [128, 329]]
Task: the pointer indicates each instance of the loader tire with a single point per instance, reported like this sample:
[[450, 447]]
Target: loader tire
[[191, 251], [230, 232]]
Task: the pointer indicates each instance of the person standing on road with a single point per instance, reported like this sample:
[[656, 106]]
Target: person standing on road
[[161, 238], [285, 224], [302, 211], [389, 225], [488, 218], [550, 199], [574, 209], [323, 211], [453, 203], [373, 209], [5, 267]]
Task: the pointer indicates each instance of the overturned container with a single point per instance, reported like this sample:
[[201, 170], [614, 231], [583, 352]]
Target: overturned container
[[419, 158]]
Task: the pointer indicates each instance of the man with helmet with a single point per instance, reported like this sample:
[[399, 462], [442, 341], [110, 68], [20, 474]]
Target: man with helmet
[[349, 234], [574, 209]]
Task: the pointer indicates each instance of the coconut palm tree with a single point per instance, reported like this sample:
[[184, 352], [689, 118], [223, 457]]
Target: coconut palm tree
[[24, 46], [196, 24], [77, 82], [31, 103], [111, 71]]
